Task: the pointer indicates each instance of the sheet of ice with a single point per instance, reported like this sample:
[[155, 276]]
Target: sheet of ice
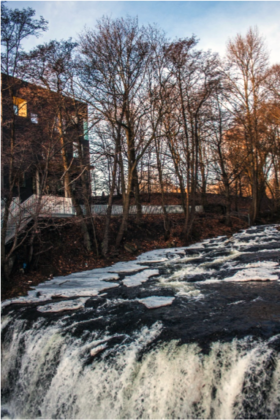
[[160, 255], [199, 246], [126, 267], [260, 272], [139, 278], [153, 302], [103, 274], [260, 264], [72, 287], [68, 305]]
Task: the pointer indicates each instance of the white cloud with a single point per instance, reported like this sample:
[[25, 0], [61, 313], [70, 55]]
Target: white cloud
[[213, 22]]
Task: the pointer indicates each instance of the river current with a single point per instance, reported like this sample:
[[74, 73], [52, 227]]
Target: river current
[[178, 333]]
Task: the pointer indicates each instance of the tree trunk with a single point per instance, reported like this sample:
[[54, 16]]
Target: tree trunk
[[109, 208]]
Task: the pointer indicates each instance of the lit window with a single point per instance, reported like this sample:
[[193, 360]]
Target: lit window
[[20, 107], [34, 118], [85, 127]]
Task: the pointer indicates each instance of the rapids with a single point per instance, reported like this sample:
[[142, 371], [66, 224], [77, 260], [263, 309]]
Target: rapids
[[179, 333]]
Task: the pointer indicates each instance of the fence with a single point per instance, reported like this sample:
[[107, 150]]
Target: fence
[[101, 209]]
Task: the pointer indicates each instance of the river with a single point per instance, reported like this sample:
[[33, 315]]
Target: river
[[179, 333]]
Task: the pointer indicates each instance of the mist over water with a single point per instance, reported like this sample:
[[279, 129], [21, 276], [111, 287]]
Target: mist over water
[[180, 333]]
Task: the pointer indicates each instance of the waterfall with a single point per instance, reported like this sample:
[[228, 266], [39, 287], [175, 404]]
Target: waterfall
[[49, 372]]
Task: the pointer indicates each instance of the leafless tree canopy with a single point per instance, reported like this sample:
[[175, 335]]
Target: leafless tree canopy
[[162, 116]]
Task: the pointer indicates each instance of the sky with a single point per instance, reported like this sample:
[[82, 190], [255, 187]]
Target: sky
[[213, 22]]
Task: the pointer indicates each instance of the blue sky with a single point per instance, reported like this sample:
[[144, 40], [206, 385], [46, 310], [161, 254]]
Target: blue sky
[[212, 22]]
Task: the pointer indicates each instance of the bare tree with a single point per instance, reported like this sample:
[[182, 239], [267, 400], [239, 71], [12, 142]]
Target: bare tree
[[16, 25], [52, 66], [196, 75], [246, 72], [117, 56]]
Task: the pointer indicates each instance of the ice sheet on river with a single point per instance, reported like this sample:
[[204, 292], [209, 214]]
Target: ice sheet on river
[[152, 302], [139, 278], [160, 255], [67, 305], [262, 271]]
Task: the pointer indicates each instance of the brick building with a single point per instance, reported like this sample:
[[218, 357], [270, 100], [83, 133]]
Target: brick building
[[34, 122]]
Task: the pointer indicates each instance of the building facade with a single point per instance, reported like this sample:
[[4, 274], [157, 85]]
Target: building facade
[[44, 142]]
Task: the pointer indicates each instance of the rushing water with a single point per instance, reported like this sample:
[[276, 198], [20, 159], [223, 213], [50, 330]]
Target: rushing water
[[179, 333]]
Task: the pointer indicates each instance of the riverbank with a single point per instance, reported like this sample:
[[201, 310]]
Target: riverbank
[[66, 253]]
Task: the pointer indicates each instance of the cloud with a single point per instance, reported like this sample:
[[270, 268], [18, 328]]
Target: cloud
[[213, 22]]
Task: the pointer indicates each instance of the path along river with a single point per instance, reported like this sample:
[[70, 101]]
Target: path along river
[[179, 333]]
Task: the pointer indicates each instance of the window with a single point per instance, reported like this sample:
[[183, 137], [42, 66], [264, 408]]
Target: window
[[85, 127], [20, 107], [34, 118]]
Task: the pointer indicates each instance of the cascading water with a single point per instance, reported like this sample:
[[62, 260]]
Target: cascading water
[[179, 333]]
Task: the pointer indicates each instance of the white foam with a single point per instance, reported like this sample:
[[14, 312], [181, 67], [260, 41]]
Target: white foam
[[211, 281], [139, 278], [153, 302], [192, 294], [258, 264], [98, 349], [168, 381]]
